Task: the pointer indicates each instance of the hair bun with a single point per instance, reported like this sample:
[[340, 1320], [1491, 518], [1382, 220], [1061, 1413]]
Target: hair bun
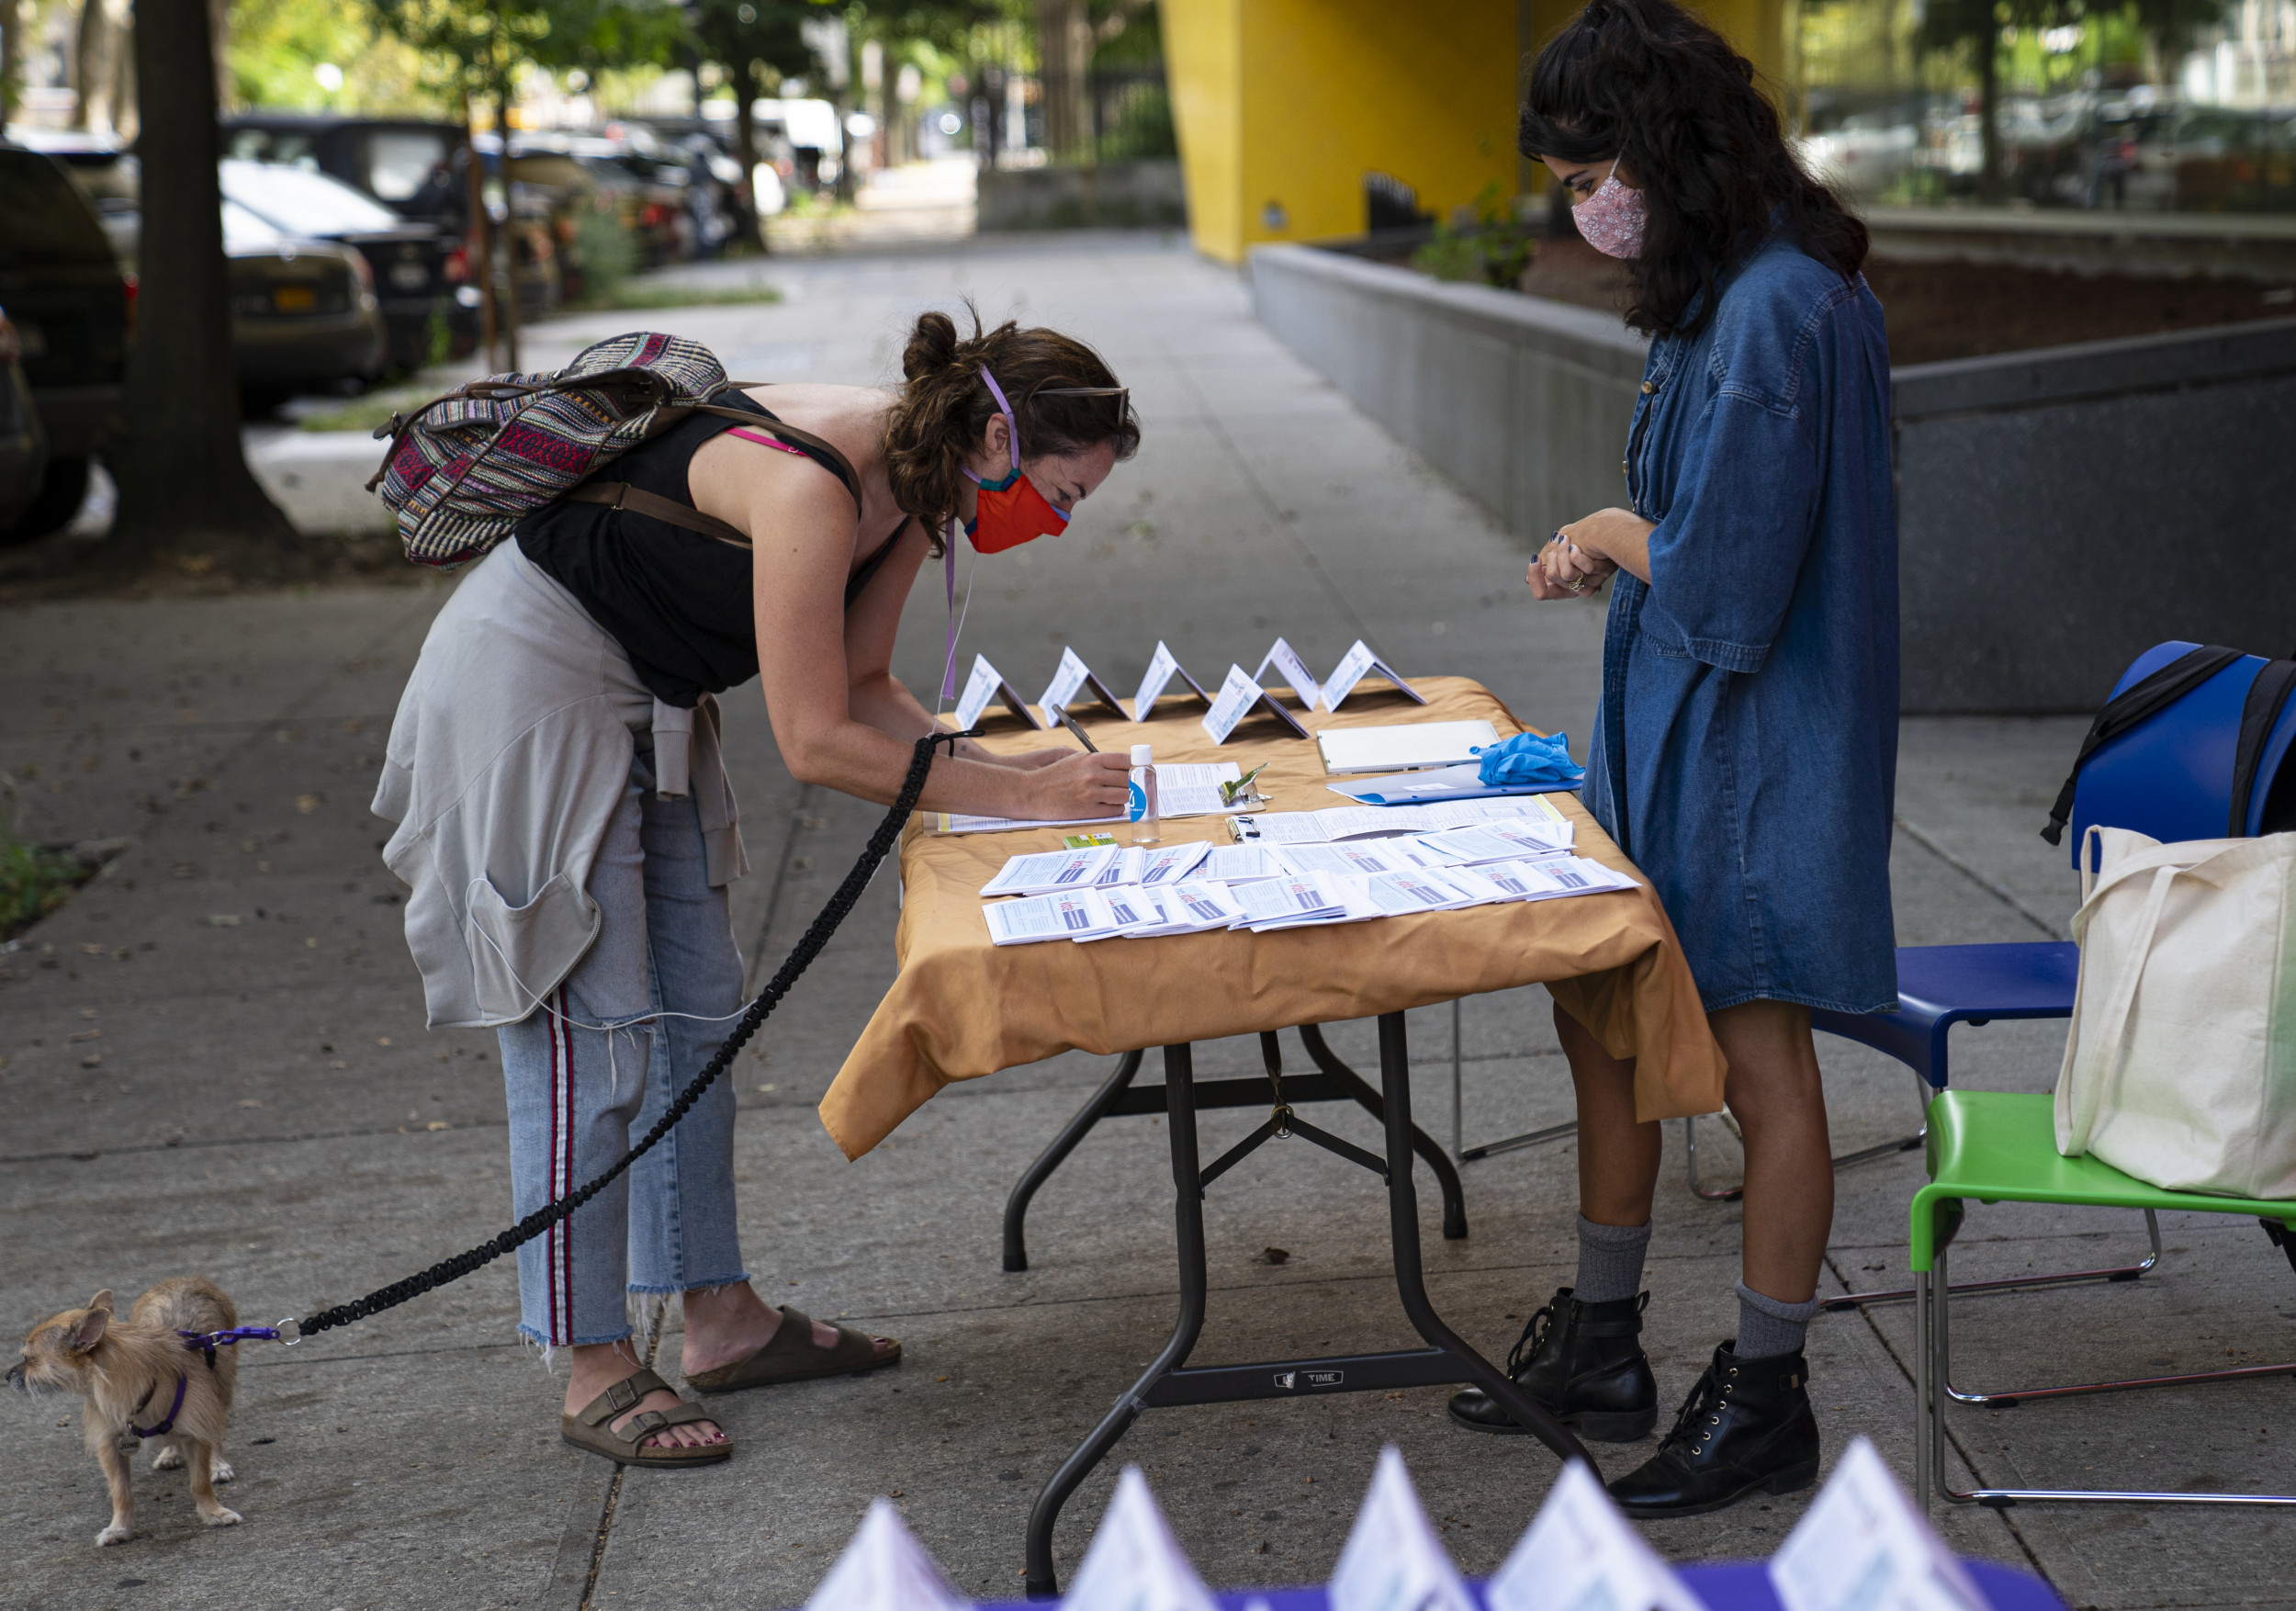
[[932, 346]]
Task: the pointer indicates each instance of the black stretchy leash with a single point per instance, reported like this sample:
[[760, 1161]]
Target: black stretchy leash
[[824, 924]]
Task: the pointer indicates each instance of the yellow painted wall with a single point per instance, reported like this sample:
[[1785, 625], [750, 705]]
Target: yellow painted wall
[[1286, 104]]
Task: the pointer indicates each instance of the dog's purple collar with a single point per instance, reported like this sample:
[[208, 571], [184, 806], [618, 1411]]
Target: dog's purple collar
[[207, 1342], [174, 1410]]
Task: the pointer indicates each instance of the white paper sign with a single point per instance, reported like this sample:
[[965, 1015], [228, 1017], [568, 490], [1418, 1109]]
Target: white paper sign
[[1293, 669], [1066, 681], [1580, 1554], [1238, 694], [1133, 1562], [1162, 667], [1353, 666], [885, 1568], [1393, 1560], [985, 683], [1862, 1546]]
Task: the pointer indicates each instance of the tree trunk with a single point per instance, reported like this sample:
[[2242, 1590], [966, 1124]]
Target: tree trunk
[[219, 43], [92, 67], [126, 119], [477, 240], [14, 16], [181, 471], [508, 230], [751, 220], [1990, 179], [1064, 57]]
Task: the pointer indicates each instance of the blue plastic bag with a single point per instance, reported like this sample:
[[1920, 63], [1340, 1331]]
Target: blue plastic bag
[[1528, 758]]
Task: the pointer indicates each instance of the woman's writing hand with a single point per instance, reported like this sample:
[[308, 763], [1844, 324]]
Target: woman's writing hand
[[1079, 785]]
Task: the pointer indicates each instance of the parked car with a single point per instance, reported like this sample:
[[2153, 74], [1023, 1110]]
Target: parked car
[[23, 444], [304, 313], [420, 273], [420, 170], [62, 285]]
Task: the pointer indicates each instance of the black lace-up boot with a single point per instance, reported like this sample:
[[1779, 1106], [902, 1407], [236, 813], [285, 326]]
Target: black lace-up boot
[[1746, 1427], [1583, 1363]]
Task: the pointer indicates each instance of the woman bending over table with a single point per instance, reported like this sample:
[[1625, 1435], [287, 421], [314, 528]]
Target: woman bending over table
[[568, 831], [1746, 749]]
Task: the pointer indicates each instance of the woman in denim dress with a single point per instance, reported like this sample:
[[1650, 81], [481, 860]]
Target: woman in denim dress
[[1746, 750]]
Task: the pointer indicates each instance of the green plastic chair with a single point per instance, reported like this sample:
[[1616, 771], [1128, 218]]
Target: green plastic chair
[[2001, 1146]]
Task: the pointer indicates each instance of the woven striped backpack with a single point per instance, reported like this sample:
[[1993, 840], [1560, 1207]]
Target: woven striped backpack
[[462, 470]]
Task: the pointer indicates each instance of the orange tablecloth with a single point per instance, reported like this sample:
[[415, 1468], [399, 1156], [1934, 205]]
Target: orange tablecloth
[[963, 1006]]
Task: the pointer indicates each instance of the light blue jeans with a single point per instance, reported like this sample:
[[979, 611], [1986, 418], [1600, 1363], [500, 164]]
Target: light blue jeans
[[581, 1094]]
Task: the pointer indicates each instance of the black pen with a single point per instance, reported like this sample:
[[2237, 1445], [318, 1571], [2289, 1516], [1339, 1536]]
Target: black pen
[[1061, 716]]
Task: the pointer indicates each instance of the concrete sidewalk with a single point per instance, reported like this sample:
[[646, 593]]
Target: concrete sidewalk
[[216, 1061]]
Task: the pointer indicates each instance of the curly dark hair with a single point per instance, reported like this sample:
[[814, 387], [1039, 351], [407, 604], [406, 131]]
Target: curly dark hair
[[1064, 399], [1648, 82]]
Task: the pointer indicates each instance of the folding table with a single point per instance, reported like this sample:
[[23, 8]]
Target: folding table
[[962, 1008]]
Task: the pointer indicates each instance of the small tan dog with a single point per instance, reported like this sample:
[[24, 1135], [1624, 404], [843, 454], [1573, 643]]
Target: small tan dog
[[129, 1373]]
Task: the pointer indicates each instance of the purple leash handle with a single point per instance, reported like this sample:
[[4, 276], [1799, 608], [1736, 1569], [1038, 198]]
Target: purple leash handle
[[207, 1342]]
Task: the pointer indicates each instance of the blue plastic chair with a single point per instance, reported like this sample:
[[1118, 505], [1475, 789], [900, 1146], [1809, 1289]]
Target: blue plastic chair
[[2169, 778]]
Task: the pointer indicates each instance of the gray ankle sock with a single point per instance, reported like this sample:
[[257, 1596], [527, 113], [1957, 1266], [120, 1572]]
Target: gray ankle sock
[[1610, 1261], [1766, 1327]]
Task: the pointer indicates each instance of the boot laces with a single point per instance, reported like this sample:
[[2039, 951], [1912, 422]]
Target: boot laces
[[1701, 1416], [1535, 1333]]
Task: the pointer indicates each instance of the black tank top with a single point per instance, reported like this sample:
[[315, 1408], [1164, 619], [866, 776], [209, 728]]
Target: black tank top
[[679, 602]]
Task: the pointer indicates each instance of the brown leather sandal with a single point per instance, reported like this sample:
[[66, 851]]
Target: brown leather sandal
[[792, 1355], [593, 1428]]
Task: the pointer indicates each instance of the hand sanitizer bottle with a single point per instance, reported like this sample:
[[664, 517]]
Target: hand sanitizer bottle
[[1142, 810]]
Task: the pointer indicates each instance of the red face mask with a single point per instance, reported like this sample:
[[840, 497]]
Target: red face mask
[[1012, 512]]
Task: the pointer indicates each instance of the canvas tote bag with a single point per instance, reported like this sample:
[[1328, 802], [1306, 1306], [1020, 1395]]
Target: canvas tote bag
[[2180, 1068]]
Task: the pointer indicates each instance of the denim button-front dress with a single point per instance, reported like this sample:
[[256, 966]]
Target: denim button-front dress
[[1746, 750]]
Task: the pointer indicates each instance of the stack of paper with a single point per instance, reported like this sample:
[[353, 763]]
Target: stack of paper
[[885, 1568], [1133, 1564], [1393, 1561], [1170, 864], [1051, 869], [1345, 859], [1289, 901], [1041, 916], [1508, 840]]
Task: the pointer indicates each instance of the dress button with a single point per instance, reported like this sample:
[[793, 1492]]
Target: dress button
[[1622, 468], [1648, 386]]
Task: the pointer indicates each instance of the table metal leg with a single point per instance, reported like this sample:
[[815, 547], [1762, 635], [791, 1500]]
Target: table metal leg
[[1052, 1157], [1403, 1200], [1446, 1175], [1188, 1218]]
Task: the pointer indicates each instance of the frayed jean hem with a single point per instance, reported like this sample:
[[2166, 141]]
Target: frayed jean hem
[[536, 1338], [711, 1285]]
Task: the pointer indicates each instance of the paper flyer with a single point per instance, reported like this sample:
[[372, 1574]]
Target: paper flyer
[[1133, 1562], [1293, 671], [885, 1568], [1353, 666], [1393, 1561], [1580, 1554], [1862, 1546], [1162, 667]]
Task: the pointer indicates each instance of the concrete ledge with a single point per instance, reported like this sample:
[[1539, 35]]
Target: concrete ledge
[[2244, 246], [2059, 510], [1522, 400]]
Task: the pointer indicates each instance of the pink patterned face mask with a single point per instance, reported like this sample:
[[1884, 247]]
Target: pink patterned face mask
[[1611, 221]]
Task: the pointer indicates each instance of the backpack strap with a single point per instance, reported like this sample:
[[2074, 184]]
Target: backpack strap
[[2124, 710], [638, 500], [2267, 696]]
